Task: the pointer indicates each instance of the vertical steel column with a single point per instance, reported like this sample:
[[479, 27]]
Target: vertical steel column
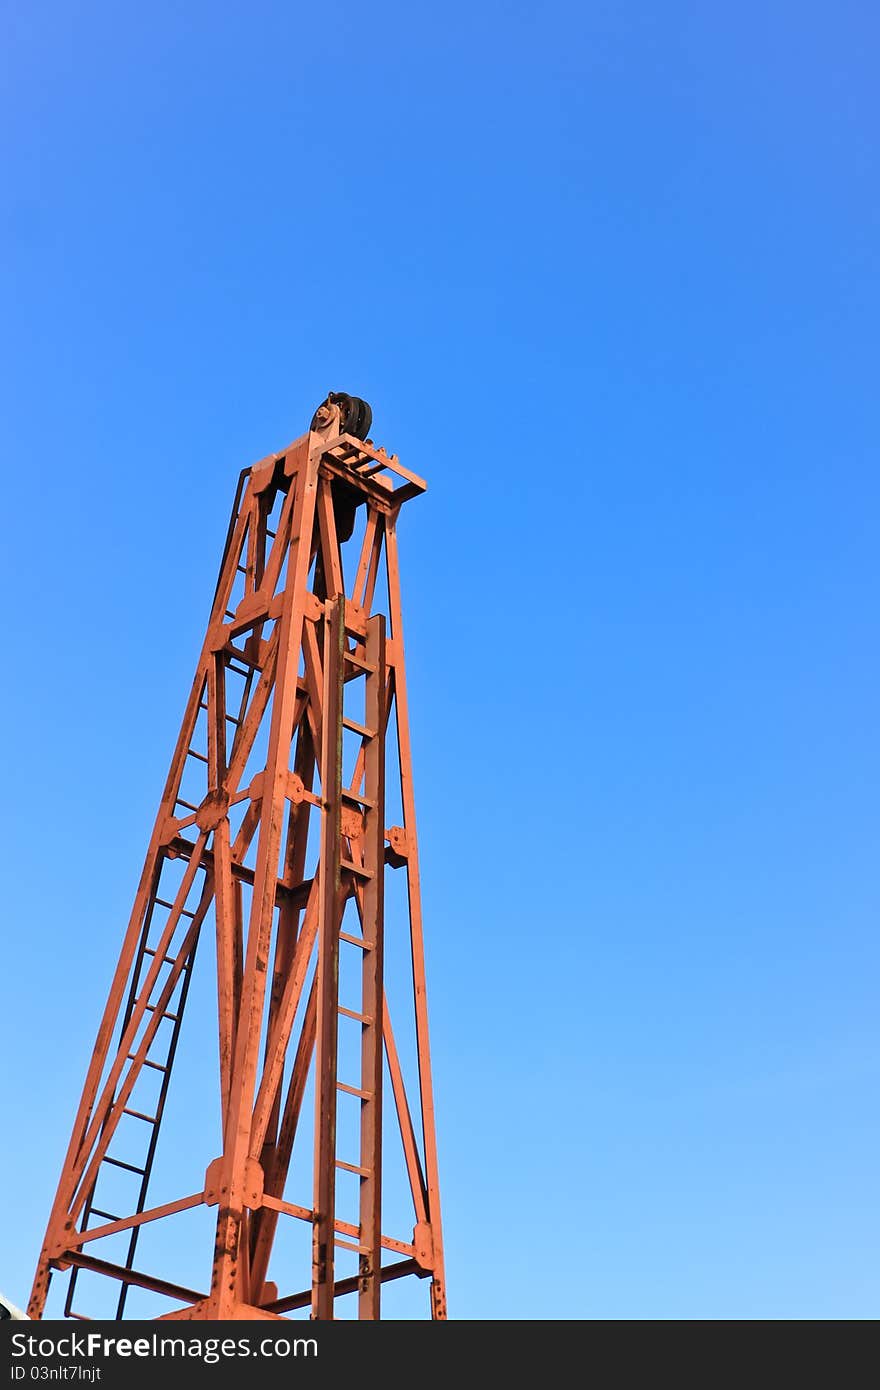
[[438, 1278]]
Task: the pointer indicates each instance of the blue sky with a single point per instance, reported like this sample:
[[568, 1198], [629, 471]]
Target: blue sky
[[609, 276]]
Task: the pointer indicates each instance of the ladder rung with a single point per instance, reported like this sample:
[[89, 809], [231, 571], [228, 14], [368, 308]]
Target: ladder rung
[[348, 794], [229, 613], [360, 662], [152, 1009], [271, 534], [241, 569], [246, 660], [118, 1163], [157, 1066], [358, 728], [237, 670], [188, 804], [356, 941], [229, 717], [166, 960], [108, 1215], [353, 1091], [163, 902], [357, 869], [350, 1245], [350, 1013], [191, 753], [353, 1168], [139, 1115]]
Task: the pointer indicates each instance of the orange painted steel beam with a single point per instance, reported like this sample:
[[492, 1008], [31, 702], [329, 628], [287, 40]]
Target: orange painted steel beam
[[298, 705]]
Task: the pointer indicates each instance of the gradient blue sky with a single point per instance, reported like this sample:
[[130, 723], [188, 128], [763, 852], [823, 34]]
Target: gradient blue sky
[[609, 275]]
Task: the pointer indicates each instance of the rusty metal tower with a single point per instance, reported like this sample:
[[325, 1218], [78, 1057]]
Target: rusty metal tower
[[272, 840]]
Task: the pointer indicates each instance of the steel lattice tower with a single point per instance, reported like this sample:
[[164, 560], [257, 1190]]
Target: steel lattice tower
[[271, 836]]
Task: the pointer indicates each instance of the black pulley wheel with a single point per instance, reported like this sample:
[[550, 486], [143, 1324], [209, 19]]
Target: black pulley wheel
[[364, 422], [356, 417]]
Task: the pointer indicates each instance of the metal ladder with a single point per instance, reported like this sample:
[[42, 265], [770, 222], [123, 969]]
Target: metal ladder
[[161, 1061], [355, 818]]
